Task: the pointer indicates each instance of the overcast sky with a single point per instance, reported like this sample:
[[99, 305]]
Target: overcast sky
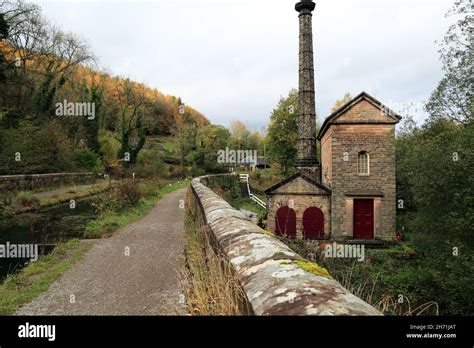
[[234, 59]]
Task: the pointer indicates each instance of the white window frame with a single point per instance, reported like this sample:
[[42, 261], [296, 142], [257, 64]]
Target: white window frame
[[367, 156]]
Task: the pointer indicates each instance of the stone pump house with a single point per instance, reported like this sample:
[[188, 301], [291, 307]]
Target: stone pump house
[[350, 194]]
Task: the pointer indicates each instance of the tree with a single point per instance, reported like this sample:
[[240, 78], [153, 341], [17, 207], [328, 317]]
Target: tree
[[132, 105], [3, 27], [44, 149], [41, 59], [255, 140], [94, 94], [340, 102], [3, 36], [240, 135], [283, 131], [440, 190], [19, 39], [161, 120], [453, 97], [62, 54], [211, 139], [41, 65]]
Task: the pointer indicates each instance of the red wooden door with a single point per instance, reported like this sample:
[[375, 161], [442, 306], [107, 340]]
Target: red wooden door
[[363, 218], [285, 222], [313, 223]]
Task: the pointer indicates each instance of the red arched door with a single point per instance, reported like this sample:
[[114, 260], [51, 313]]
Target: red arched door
[[285, 222], [313, 223]]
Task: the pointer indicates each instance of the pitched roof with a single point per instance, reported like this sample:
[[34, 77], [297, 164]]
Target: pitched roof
[[395, 118], [294, 176]]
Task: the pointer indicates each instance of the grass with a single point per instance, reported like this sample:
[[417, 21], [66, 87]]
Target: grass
[[36, 277], [168, 142], [262, 179], [26, 201], [388, 279], [209, 284], [109, 222], [247, 204], [74, 193], [168, 146]]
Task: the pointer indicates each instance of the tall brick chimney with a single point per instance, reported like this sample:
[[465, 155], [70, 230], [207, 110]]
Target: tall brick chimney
[[307, 160]]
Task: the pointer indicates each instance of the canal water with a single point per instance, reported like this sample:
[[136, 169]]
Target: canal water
[[46, 227]]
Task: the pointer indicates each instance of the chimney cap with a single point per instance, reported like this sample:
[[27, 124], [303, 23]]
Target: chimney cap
[[305, 5]]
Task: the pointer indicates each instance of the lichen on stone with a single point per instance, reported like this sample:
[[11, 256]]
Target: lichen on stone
[[281, 255], [267, 232], [313, 268]]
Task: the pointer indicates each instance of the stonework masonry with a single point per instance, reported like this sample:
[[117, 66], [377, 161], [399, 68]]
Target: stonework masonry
[[32, 181], [363, 127], [355, 203], [379, 142], [299, 194], [307, 116], [268, 271]]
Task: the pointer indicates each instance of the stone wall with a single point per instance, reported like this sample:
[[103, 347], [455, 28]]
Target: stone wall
[[326, 159], [276, 280], [32, 181]]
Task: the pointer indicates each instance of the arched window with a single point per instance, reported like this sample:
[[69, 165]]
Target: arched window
[[363, 163]]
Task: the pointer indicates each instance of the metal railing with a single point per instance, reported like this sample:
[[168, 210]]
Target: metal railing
[[245, 178]]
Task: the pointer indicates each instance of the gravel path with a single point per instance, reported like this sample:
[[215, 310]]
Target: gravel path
[[107, 282]]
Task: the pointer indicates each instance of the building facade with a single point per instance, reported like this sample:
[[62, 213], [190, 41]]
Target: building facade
[[351, 193], [354, 188]]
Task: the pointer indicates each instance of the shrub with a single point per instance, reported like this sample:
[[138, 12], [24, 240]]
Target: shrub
[[151, 187], [25, 199], [149, 164], [88, 159], [178, 172], [124, 195], [170, 159], [128, 193], [109, 147], [43, 150], [261, 179], [104, 203], [195, 171]]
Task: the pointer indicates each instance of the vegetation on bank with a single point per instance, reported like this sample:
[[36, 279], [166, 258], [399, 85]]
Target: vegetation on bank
[[41, 67], [20, 288], [17, 202], [134, 129], [390, 279], [263, 179], [432, 271], [127, 203], [421, 275], [209, 284]]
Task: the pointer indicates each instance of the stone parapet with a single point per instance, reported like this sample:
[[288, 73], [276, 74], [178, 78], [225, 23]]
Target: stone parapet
[[275, 279]]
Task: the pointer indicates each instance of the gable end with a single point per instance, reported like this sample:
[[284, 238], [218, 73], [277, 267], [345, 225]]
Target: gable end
[[390, 117]]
